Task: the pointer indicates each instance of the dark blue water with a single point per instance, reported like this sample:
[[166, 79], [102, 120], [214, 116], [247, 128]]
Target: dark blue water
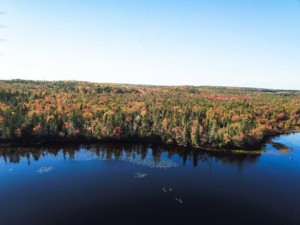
[[140, 184]]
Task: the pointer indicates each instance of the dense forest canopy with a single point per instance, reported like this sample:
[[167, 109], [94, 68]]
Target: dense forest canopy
[[220, 117]]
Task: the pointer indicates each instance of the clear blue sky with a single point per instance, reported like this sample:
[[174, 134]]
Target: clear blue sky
[[252, 43]]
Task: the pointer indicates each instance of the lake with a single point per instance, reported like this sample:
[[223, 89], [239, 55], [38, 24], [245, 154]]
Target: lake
[[144, 184]]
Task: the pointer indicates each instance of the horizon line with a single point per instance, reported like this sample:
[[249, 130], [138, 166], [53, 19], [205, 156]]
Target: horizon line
[[155, 85]]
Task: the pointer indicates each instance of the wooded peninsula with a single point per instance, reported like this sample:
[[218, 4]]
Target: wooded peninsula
[[204, 116]]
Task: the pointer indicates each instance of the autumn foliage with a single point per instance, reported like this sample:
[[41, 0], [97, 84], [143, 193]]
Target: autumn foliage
[[190, 116]]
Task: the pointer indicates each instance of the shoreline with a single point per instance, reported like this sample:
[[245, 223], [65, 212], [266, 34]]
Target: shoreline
[[81, 140], [31, 142]]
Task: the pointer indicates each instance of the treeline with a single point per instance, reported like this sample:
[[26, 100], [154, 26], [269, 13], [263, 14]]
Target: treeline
[[188, 116]]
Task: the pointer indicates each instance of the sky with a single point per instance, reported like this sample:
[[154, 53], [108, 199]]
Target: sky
[[248, 43]]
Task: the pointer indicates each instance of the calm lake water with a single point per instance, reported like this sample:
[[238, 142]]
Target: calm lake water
[[140, 184]]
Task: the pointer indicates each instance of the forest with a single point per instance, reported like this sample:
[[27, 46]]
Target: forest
[[204, 116]]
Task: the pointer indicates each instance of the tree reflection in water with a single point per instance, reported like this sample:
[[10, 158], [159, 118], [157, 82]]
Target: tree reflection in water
[[136, 153]]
